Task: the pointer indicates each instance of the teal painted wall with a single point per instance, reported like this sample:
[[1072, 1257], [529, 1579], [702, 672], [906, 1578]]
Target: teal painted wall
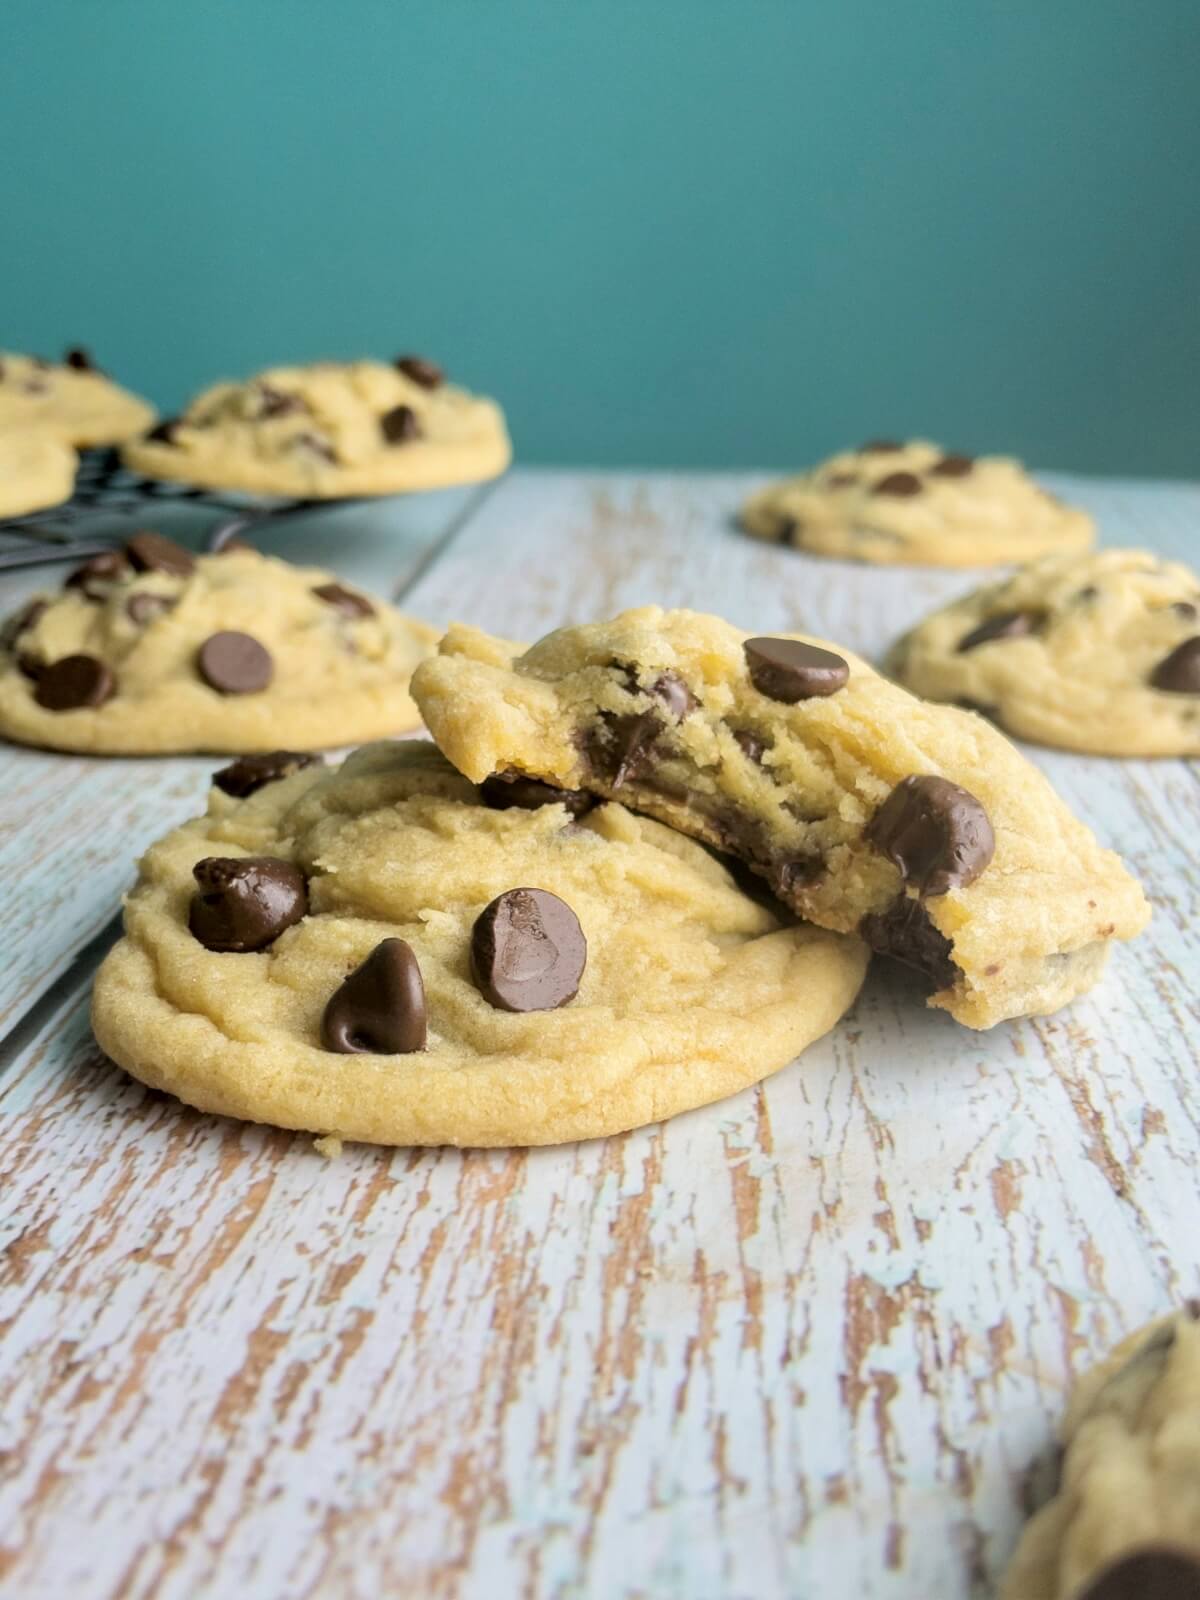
[[665, 232]]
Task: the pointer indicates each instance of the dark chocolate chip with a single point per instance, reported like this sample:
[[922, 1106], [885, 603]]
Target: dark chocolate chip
[[314, 445], [163, 432], [789, 670], [427, 373], [153, 552], [502, 791], [399, 425], [879, 447], [379, 1009], [30, 666], [620, 747], [787, 528], [1004, 625], [1179, 673], [952, 466], [21, 621], [670, 691], [1155, 1572], [245, 902], [788, 877], [275, 403], [74, 681], [528, 951], [109, 566], [142, 609], [750, 744], [235, 663], [250, 773], [937, 833], [80, 359], [901, 484], [344, 600], [1185, 609], [905, 931]]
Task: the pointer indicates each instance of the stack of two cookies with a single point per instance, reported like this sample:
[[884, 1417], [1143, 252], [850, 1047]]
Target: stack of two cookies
[[523, 936]]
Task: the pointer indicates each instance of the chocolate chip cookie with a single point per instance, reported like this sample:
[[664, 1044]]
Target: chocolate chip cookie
[[150, 649], [37, 469], [1094, 652], [384, 952], [329, 430], [71, 400], [918, 826], [1125, 1522], [917, 503]]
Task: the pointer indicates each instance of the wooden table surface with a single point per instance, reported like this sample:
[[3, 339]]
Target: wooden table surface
[[810, 1342]]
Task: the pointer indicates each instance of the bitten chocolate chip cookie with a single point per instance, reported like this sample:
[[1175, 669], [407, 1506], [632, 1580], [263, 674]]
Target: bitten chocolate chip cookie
[[71, 400], [383, 952], [36, 470], [866, 810], [331, 429], [151, 649], [914, 502], [1125, 1523], [1095, 652]]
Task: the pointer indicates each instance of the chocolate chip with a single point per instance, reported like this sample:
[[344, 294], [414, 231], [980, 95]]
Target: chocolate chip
[[275, 403], [380, 1008], [788, 876], [344, 600], [620, 747], [399, 425], [1155, 1572], [1004, 625], [74, 681], [109, 566], [142, 609], [1185, 609], [528, 951], [787, 528], [248, 774], [314, 445], [502, 791], [879, 447], [935, 832], [427, 373], [245, 902], [789, 670], [153, 552], [21, 622], [79, 359], [1179, 673], [163, 432], [235, 663], [952, 466], [905, 931], [750, 744], [30, 666], [901, 484], [1088, 592], [670, 691]]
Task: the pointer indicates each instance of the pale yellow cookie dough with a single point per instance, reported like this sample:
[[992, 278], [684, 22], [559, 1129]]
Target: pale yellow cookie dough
[[337, 678], [914, 503], [79, 405], [36, 470], [692, 989], [322, 431], [1131, 1473], [1077, 643], [793, 789]]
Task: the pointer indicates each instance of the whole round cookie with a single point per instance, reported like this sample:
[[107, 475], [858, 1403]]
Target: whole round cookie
[[329, 430], [917, 503], [152, 650], [36, 470], [384, 952], [1099, 653], [73, 400]]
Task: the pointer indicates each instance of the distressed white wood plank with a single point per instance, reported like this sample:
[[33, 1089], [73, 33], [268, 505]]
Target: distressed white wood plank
[[808, 1341]]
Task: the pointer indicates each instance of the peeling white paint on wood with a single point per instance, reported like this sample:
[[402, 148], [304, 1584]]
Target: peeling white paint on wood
[[805, 1342]]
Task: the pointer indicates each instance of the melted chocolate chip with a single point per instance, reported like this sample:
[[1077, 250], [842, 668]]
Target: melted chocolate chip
[[399, 425], [905, 931], [787, 528], [670, 691], [380, 1008], [901, 484], [1179, 673], [153, 552], [248, 774], [789, 670], [73, 682], [952, 466], [1155, 1572], [427, 373], [21, 622], [78, 358], [344, 600], [880, 447], [528, 951], [244, 903], [502, 791], [163, 432], [275, 403], [1005, 625], [620, 747], [788, 877], [235, 663], [937, 833], [109, 566], [142, 609], [750, 744], [30, 666]]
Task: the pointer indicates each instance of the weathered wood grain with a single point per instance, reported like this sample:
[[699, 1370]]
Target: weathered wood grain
[[810, 1341]]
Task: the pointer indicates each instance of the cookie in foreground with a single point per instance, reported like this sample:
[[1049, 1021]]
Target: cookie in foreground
[[71, 400], [150, 650], [381, 952], [868, 811], [1125, 1521], [917, 503], [1099, 653], [329, 430]]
